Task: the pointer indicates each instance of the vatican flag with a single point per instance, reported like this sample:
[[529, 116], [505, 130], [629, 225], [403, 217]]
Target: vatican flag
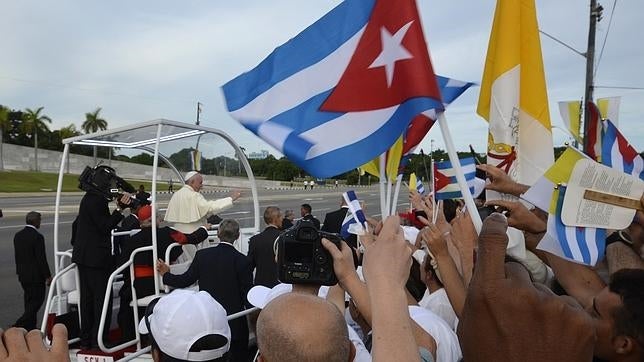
[[513, 96], [571, 116]]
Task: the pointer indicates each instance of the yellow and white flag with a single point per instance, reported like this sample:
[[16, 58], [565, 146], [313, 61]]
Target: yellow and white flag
[[609, 108], [571, 116], [513, 96]]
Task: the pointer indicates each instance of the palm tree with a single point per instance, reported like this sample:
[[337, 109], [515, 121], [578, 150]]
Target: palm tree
[[94, 123], [34, 122], [4, 125], [68, 132]]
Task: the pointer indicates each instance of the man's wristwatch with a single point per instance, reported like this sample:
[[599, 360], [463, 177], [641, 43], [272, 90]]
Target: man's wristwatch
[[619, 237]]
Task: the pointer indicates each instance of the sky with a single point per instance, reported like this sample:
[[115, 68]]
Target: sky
[[148, 59]]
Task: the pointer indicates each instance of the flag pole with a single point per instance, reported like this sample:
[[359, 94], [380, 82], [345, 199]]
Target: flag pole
[[460, 177], [388, 198], [383, 179], [394, 202]]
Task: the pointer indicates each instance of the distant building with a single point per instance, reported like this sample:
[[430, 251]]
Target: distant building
[[258, 155]]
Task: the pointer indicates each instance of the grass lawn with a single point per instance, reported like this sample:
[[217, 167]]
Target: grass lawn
[[26, 181]]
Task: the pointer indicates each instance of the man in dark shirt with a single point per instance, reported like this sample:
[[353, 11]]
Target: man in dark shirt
[[32, 269], [305, 211], [261, 254], [225, 273]]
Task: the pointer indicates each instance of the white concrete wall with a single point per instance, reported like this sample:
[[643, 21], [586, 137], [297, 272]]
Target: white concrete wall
[[21, 158]]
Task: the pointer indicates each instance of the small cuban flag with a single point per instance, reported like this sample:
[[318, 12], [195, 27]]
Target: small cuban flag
[[618, 153], [355, 220], [420, 188]]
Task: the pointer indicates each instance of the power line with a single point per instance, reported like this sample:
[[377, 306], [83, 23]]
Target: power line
[[610, 21], [562, 43]]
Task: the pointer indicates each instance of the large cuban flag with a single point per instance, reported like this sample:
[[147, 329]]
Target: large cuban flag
[[343, 90]]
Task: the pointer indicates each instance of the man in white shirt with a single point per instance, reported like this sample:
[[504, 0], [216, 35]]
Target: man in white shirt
[[435, 298]]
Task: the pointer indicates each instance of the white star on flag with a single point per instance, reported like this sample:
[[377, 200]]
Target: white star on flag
[[392, 51]]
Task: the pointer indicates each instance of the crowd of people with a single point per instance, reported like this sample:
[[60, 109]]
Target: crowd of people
[[413, 288]]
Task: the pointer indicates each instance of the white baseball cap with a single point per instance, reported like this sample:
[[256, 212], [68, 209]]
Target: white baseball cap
[[259, 295], [183, 317], [189, 175]]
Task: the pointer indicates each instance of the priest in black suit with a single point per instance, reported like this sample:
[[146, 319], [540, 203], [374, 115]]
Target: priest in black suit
[[32, 269], [261, 253]]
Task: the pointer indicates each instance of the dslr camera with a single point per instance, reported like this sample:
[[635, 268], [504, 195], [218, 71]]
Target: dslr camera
[[301, 258], [103, 180]]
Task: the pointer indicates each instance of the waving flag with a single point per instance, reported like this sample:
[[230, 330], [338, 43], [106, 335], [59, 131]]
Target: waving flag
[[445, 180], [593, 135], [343, 90], [618, 153], [540, 193], [354, 222], [609, 108], [420, 188], [513, 96], [571, 116], [578, 244], [419, 126]]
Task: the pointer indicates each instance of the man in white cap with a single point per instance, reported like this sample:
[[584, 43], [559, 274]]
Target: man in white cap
[[187, 326], [188, 208]]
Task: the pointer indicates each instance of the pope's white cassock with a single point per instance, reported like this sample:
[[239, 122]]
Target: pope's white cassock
[[189, 209]]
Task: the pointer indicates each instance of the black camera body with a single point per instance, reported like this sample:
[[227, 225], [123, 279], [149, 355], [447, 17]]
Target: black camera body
[[102, 180], [301, 257]]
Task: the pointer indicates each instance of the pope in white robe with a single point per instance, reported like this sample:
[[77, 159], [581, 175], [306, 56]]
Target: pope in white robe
[[188, 209]]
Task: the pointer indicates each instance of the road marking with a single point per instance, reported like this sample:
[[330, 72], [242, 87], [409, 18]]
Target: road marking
[[236, 213], [43, 224]]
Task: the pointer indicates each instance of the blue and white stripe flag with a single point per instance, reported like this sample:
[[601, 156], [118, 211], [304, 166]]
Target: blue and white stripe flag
[[581, 245], [420, 188], [354, 222], [446, 185], [343, 90], [618, 153]]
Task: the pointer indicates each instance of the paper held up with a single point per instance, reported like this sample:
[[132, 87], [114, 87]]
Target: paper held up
[[579, 208]]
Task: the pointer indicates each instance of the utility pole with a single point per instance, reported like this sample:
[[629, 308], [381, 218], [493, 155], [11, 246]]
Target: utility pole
[[595, 17], [198, 112]]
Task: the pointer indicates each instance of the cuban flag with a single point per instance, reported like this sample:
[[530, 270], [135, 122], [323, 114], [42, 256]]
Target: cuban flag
[[618, 153], [578, 244], [445, 182], [421, 124], [343, 90], [420, 188], [354, 222]]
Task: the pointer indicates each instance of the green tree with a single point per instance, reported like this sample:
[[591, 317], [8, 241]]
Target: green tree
[[94, 123], [4, 125], [33, 123], [68, 132]]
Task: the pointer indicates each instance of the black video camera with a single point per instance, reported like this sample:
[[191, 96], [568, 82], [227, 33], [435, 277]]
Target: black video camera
[[301, 257], [103, 180]]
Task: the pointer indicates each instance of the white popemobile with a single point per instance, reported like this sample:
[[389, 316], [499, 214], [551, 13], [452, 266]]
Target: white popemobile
[[62, 300]]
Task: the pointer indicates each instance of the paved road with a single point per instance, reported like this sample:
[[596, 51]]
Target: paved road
[[322, 201]]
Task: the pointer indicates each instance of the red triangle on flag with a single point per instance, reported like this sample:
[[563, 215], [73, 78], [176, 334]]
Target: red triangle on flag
[[440, 180], [378, 78]]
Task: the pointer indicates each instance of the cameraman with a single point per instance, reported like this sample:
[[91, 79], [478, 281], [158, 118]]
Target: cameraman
[[93, 255]]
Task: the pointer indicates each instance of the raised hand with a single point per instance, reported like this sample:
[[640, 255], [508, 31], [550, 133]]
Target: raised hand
[[501, 182], [519, 216]]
